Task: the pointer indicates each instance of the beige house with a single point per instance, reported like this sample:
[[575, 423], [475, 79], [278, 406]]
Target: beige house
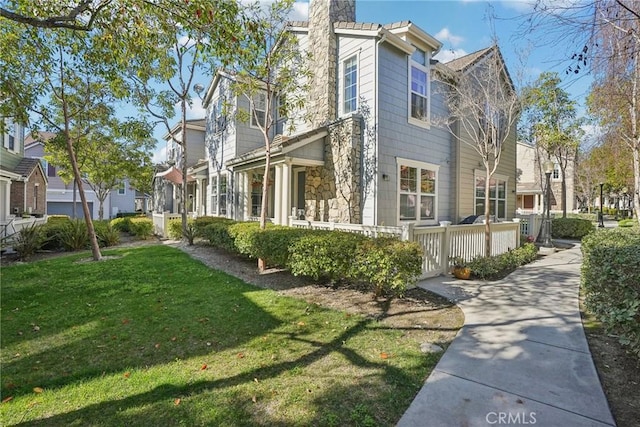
[[531, 182]]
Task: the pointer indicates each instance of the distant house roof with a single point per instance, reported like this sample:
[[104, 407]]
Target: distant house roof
[[41, 136], [26, 167], [464, 62]]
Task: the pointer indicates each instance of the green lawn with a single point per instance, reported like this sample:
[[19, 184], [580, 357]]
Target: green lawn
[[155, 338]]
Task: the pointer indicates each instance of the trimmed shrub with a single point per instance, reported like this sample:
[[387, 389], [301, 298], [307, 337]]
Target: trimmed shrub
[[53, 231], [127, 214], [593, 217], [273, 244], [106, 234], [629, 222], [201, 222], [325, 254], [611, 282], [388, 264], [74, 236], [28, 241], [141, 227], [243, 235], [121, 224], [501, 265], [217, 233], [174, 228], [571, 228]]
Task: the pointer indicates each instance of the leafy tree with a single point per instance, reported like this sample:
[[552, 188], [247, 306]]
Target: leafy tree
[[483, 109], [553, 124], [75, 16], [269, 66], [172, 58]]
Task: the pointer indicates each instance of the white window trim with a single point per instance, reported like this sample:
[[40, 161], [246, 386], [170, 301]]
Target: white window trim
[[480, 173], [252, 104], [419, 165], [16, 137], [122, 187], [341, 98], [421, 123]]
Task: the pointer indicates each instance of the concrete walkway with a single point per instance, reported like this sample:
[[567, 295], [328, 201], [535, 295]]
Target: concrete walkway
[[521, 358]]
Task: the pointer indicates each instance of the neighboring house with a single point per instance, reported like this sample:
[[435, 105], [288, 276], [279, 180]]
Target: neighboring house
[[371, 152], [531, 182], [60, 195], [23, 184], [168, 177]]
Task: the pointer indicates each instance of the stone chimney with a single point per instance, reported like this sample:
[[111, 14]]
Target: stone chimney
[[322, 44]]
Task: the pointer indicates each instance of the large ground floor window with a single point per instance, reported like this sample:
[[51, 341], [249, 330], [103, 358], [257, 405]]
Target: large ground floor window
[[219, 194], [497, 196], [417, 191]]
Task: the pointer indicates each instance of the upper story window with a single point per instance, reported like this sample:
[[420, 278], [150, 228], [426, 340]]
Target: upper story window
[[12, 134], [51, 170], [259, 110], [419, 88], [350, 79], [281, 120], [122, 190], [556, 171], [218, 115], [417, 191]]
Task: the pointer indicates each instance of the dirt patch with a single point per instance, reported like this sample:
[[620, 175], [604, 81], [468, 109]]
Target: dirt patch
[[618, 370]]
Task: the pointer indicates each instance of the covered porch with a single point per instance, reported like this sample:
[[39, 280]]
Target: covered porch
[[296, 167]]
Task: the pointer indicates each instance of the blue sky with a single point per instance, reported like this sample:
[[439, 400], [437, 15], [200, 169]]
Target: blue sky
[[464, 26]]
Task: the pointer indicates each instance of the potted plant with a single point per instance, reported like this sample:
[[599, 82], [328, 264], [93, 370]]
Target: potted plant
[[461, 268]]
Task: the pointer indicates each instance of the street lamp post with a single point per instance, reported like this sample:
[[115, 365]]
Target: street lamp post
[[625, 190], [548, 169], [601, 215]]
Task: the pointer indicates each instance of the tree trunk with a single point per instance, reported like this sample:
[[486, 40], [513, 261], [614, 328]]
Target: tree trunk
[[636, 175], [74, 215], [564, 195], [95, 248], [185, 197], [487, 213], [265, 195]]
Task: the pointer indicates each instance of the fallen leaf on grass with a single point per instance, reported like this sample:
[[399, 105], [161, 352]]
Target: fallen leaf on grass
[[127, 374], [177, 401], [384, 355], [38, 389], [240, 355], [7, 399], [157, 345], [174, 338], [256, 380], [254, 399], [300, 323], [203, 367], [125, 321]]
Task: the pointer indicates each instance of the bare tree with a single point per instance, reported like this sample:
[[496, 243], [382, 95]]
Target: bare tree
[[483, 110]]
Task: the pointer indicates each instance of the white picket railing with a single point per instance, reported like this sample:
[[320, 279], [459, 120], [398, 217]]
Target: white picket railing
[[13, 225], [440, 244], [530, 224], [161, 222]]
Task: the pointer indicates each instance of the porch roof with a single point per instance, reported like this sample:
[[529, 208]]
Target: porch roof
[[281, 145], [172, 174], [528, 188]]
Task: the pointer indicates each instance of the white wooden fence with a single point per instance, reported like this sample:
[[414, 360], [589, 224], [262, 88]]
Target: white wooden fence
[[161, 222], [440, 244], [530, 224], [13, 225]]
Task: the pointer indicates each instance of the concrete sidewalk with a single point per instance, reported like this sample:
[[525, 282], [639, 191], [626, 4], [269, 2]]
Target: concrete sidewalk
[[521, 358]]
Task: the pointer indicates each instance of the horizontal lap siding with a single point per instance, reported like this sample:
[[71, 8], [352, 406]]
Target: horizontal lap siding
[[398, 138], [365, 48]]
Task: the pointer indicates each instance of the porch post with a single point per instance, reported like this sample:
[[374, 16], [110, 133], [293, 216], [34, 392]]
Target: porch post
[[245, 211], [277, 209], [286, 193]]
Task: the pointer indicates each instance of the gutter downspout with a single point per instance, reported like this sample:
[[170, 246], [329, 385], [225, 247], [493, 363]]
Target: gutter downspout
[[377, 101]]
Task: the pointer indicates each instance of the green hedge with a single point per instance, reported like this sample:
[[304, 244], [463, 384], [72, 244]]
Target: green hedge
[[141, 227], [611, 282], [500, 265], [571, 228], [121, 224], [217, 233], [325, 254]]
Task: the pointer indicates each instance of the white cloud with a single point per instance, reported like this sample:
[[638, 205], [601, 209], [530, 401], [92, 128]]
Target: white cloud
[[300, 11], [197, 111], [444, 35], [160, 153], [446, 55], [185, 41]]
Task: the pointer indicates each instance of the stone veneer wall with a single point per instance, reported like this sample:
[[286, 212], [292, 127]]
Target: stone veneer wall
[[322, 44], [333, 192]]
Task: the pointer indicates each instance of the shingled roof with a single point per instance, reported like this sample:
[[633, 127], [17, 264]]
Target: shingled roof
[[26, 166], [462, 63]]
